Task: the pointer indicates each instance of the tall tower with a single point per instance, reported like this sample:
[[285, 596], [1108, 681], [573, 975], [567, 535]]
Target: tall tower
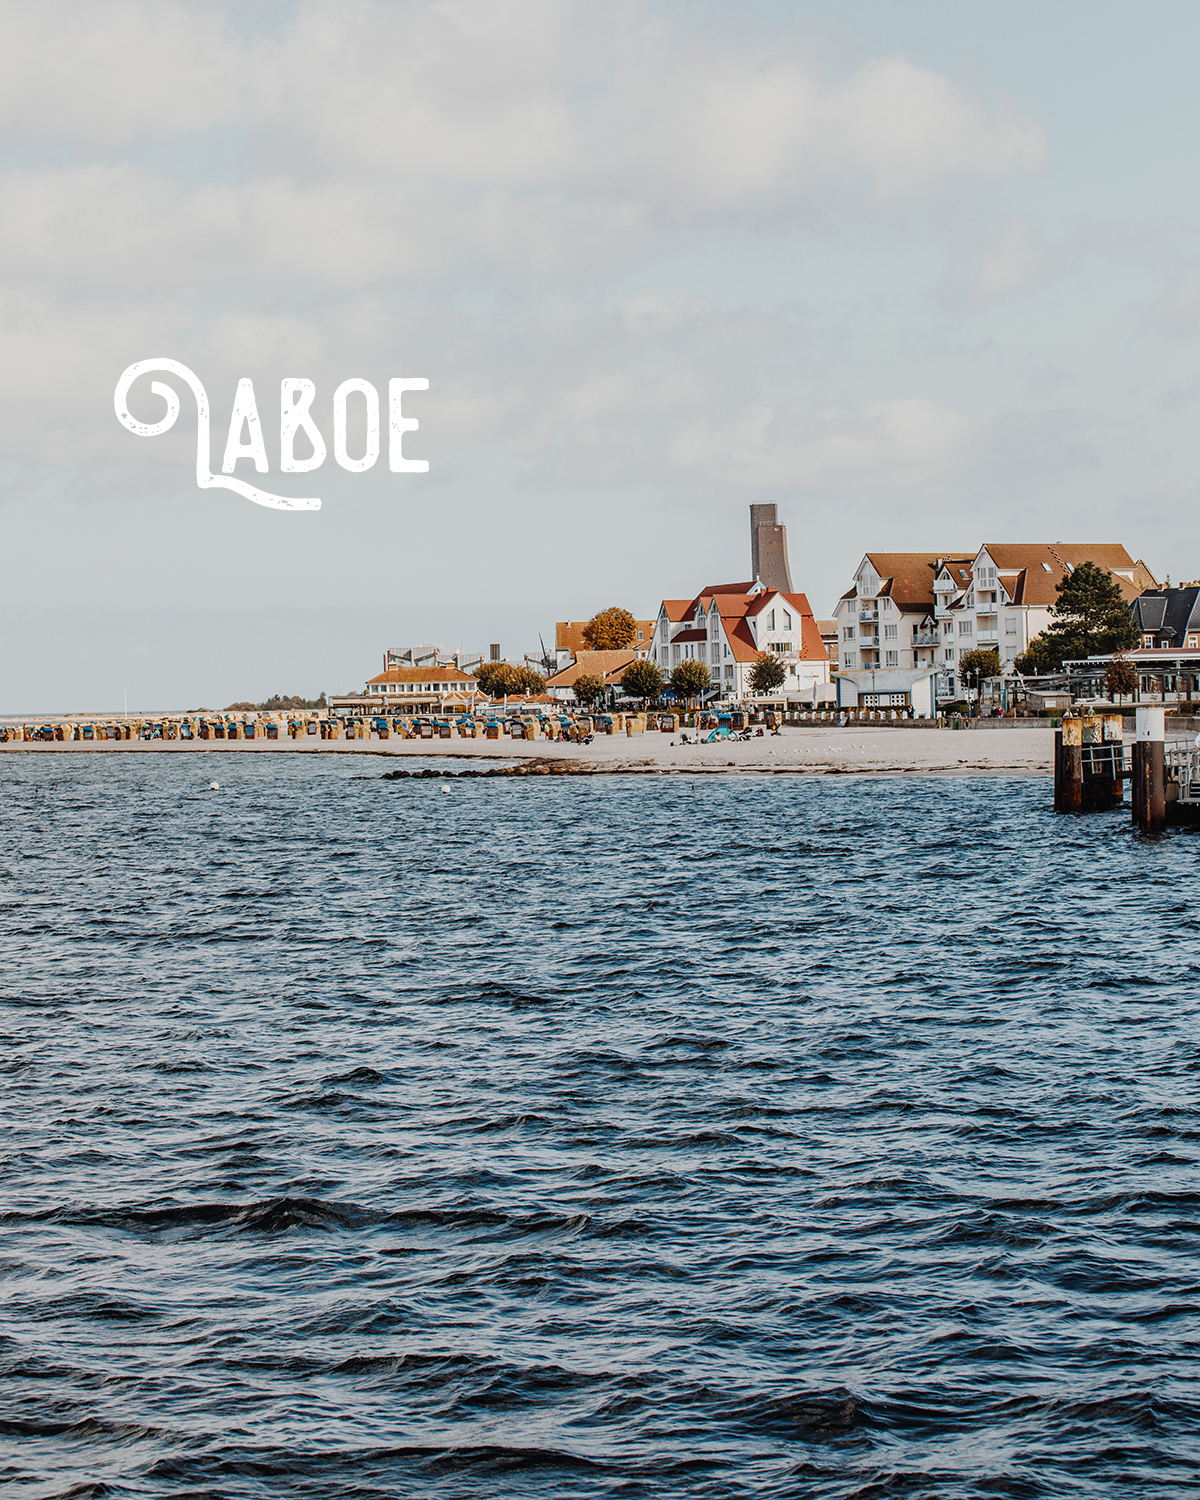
[[768, 548]]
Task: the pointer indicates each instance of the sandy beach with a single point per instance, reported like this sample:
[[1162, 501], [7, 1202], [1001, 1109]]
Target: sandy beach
[[804, 751]]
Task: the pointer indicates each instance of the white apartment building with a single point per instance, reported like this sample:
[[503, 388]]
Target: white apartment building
[[1001, 598], [728, 626], [888, 641]]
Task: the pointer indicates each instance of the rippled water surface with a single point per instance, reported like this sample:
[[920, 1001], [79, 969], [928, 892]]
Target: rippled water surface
[[604, 1137]]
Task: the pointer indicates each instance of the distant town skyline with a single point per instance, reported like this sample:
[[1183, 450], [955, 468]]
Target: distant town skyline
[[911, 273]]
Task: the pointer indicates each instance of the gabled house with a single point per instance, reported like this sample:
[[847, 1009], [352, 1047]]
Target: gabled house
[[569, 641], [889, 640], [728, 626], [1002, 599], [1169, 618], [610, 666]]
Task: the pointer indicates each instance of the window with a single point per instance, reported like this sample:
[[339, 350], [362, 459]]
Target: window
[[893, 659], [870, 700], [966, 627], [641, 634], [889, 632], [848, 632], [787, 620], [887, 606], [949, 653], [726, 650], [1147, 640], [677, 653], [1193, 640], [948, 628], [780, 648], [716, 653], [1010, 627], [728, 671], [848, 659]]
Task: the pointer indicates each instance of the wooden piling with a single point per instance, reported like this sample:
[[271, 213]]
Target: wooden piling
[[1070, 768], [1149, 771]]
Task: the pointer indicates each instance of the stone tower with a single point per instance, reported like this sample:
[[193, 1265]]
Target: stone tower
[[768, 549]]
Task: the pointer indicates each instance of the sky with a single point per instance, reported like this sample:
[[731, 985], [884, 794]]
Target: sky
[[926, 275]]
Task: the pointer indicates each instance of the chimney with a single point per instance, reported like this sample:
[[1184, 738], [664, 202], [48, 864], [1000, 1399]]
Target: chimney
[[494, 650]]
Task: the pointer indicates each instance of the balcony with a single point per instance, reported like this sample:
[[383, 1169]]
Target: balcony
[[924, 638], [988, 637], [869, 614], [868, 643]]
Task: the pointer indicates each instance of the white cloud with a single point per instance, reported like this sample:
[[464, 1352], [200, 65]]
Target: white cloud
[[1017, 258], [108, 73]]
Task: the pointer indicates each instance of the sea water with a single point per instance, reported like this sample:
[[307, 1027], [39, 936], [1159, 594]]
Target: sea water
[[604, 1136]]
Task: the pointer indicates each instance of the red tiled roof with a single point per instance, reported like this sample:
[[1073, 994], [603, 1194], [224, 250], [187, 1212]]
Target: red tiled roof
[[599, 663], [1036, 568], [908, 576], [424, 675]]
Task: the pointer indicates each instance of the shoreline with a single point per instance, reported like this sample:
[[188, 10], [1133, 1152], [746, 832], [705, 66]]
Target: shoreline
[[799, 751]]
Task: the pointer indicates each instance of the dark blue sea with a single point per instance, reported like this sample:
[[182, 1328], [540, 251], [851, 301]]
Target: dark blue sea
[[616, 1136]]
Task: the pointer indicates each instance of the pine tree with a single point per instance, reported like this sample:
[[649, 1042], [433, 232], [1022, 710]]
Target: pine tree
[[1091, 617]]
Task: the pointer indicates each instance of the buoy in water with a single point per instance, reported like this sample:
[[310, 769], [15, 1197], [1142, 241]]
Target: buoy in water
[[445, 791], [214, 786]]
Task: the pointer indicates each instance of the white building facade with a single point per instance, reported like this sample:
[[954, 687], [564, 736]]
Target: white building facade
[[729, 626]]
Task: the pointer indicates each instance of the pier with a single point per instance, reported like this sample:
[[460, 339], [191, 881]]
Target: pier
[[1091, 767]]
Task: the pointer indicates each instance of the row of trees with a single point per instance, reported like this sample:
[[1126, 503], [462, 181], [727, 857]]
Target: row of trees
[[644, 680], [277, 704]]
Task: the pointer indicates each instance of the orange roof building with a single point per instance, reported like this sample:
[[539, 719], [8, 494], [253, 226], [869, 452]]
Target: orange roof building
[[569, 641], [729, 626], [420, 690], [611, 666], [913, 616]]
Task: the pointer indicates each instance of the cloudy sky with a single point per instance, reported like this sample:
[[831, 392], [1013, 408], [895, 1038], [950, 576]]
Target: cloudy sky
[[925, 274]]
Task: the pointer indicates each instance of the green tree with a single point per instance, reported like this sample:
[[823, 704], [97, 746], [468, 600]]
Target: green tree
[[532, 682], [1090, 618], [613, 629], [976, 665], [1037, 659], [1120, 678], [767, 674], [588, 688], [642, 680], [499, 679], [689, 679]]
